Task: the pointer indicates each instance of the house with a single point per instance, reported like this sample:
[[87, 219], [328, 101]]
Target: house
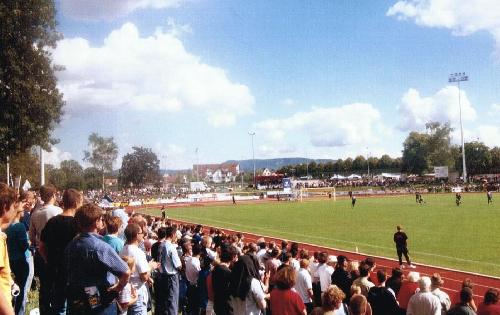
[[216, 173]]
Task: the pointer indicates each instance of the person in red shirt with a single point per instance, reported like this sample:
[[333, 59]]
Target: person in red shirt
[[490, 304], [284, 301], [408, 288]]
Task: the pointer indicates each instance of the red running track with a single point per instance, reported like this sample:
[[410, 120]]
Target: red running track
[[452, 278]]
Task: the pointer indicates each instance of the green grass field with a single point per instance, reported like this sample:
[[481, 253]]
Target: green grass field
[[440, 233]]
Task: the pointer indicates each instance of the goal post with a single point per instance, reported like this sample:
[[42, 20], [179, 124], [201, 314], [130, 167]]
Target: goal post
[[318, 192]]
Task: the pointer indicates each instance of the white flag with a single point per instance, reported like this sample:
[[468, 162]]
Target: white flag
[[26, 185]]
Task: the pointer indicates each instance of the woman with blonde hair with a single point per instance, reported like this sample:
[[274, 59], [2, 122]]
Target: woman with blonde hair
[[331, 302]]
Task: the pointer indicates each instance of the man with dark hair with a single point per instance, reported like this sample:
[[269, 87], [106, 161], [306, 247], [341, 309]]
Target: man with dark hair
[[55, 236], [341, 277], [88, 262], [221, 277], [489, 196], [464, 306], [400, 238], [382, 299], [168, 278], [395, 280], [362, 281], [38, 220], [140, 276], [162, 232]]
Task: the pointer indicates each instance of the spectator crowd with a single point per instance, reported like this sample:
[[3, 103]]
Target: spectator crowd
[[90, 261]]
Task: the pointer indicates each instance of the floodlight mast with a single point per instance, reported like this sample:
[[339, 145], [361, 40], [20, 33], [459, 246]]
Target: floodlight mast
[[460, 77]]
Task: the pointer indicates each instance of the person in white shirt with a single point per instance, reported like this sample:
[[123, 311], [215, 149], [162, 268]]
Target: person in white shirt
[[39, 219], [325, 270], [128, 295], [303, 286], [444, 298], [193, 268], [206, 243], [141, 275], [424, 302], [362, 281]]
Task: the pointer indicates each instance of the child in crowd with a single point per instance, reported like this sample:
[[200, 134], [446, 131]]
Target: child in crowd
[[127, 296]]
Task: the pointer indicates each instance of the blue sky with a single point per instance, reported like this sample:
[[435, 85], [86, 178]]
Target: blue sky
[[319, 79]]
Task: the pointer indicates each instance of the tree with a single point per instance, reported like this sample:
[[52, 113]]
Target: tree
[[477, 158], [359, 163], [439, 144], [103, 152], [385, 162], [92, 178], [74, 174], [56, 176], [421, 151], [495, 160], [140, 167], [348, 165], [30, 103], [24, 164], [415, 153], [373, 162]]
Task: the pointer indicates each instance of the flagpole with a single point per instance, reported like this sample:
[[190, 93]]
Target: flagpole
[[8, 172], [42, 168]]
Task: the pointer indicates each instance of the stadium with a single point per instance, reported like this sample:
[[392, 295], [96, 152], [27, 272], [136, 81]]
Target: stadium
[[166, 157]]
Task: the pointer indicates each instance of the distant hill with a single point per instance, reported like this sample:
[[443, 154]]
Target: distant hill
[[274, 164]]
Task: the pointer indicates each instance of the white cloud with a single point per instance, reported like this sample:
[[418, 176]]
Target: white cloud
[[56, 156], [415, 110], [173, 156], [494, 110], [490, 135], [110, 9], [153, 73], [348, 127], [289, 102], [462, 17]]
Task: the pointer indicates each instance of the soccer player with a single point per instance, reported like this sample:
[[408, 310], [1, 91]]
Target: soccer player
[[458, 199], [489, 195], [353, 201], [400, 238]]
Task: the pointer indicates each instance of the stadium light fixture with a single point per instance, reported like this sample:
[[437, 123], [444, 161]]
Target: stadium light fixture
[[460, 77], [252, 134]]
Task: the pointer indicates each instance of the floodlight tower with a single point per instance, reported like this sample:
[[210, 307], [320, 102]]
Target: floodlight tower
[[252, 134], [460, 77]]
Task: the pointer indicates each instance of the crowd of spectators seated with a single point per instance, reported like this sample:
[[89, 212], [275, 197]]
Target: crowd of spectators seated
[[91, 261]]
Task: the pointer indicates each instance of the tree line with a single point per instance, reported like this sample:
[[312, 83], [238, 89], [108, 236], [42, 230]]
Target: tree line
[[422, 151]]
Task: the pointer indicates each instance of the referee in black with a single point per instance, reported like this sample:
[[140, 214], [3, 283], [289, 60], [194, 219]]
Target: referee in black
[[400, 238]]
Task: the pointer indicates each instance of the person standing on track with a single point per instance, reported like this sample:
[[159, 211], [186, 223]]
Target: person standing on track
[[400, 238], [163, 213]]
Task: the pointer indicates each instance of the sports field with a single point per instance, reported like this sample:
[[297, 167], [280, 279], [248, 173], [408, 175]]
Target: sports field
[[440, 233]]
